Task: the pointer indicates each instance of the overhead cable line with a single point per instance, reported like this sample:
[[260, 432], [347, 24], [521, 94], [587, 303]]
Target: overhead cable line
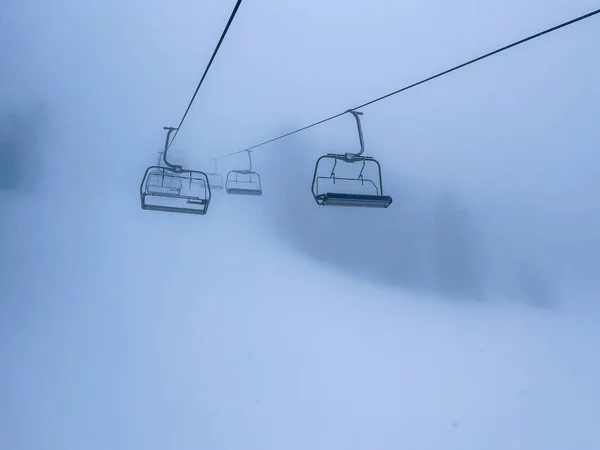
[[231, 17], [433, 77]]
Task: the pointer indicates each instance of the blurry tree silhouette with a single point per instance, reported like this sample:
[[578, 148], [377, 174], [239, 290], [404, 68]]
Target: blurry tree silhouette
[[534, 288], [20, 158], [456, 265]]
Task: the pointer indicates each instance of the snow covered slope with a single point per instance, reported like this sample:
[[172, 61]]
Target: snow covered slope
[[153, 330]]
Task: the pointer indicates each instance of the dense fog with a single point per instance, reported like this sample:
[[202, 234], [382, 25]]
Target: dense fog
[[464, 316]]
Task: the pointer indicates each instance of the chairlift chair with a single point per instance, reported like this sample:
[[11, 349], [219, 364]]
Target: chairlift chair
[[244, 182], [169, 187], [215, 179], [358, 191]]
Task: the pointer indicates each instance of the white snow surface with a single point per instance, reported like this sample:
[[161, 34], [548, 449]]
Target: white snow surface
[[155, 330]]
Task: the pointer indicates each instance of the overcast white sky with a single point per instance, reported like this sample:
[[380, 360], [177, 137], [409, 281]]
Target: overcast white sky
[[123, 328]]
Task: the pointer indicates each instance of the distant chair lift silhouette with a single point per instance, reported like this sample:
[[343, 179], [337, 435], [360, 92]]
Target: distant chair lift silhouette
[[215, 179], [376, 199], [244, 182], [172, 188]]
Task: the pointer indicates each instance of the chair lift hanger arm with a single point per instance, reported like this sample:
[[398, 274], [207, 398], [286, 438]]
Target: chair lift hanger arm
[[175, 167], [249, 160], [357, 115]]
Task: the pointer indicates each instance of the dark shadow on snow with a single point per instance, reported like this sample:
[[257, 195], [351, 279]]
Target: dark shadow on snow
[[427, 241]]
